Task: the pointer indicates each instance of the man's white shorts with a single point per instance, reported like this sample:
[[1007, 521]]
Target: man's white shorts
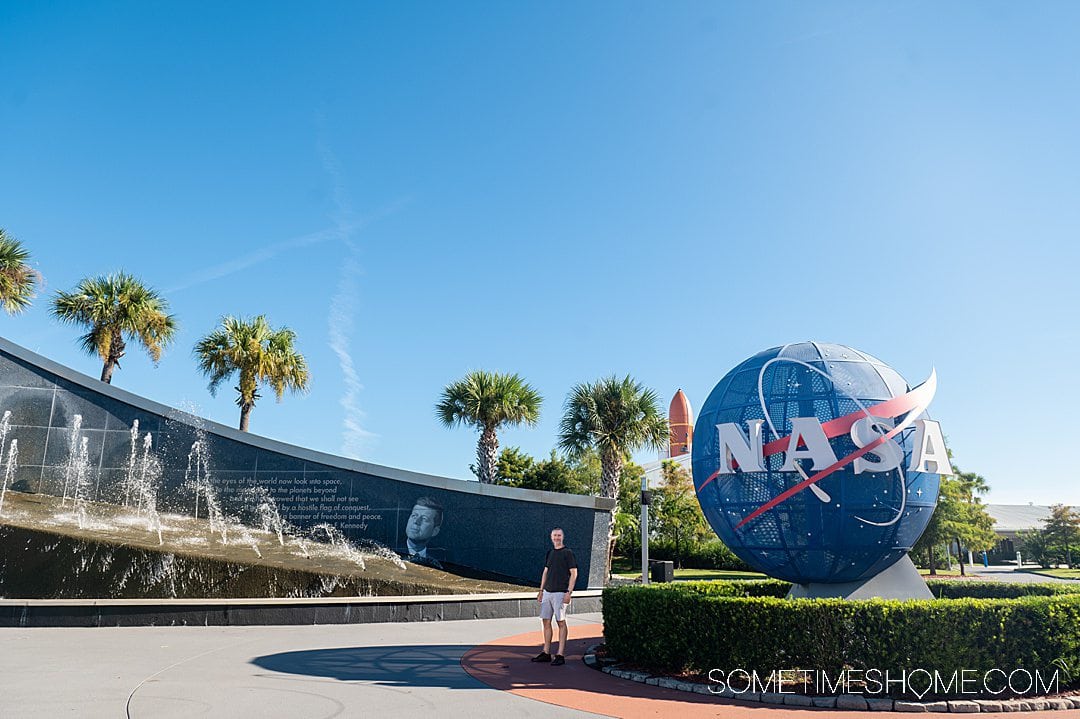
[[551, 605]]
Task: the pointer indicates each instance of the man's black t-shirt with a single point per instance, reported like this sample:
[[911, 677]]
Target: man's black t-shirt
[[559, 562]]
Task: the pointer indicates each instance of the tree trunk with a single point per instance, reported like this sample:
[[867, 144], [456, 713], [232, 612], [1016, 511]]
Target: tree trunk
[[245, 416], [678, 552], [960, 557], [611, 465], [107, 370], [116, 351], [487, 455], [932, 563]]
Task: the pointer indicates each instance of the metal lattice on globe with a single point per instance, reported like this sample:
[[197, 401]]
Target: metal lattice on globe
[[819, 464]]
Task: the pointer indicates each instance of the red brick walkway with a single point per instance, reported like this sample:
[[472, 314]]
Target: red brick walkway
[[504, 664]]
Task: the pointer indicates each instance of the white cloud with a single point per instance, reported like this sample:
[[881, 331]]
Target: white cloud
[[341, 319], [256, 257]]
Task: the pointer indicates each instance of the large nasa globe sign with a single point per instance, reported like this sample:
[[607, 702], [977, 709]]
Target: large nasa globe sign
[[817, 463]]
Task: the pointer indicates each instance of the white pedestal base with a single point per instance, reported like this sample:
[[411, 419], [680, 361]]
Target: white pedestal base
[[900, 581]]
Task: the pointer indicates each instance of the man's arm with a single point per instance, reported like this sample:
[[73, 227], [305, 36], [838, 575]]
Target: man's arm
[[570, 588], [543, 579]]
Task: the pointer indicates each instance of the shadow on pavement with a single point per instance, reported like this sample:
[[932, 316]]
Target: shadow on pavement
[[405, 666]]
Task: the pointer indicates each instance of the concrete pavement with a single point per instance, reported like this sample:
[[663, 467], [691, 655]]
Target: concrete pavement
[[359, 670], [371, 670], [1011, 574]]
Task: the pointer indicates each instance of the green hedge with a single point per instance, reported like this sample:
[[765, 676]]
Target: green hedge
[[737, 588], [940, 588], [748, 626], [713, 554], [959, 589]]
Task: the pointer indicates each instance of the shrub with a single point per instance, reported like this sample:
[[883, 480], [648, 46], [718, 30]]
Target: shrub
[[955, 589], [746, 625], [740, 588], [713, 554]]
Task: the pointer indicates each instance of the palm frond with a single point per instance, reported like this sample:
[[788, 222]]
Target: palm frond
[[252, 349], [489, 399], [18, 280], [116, 305], [614, 416]]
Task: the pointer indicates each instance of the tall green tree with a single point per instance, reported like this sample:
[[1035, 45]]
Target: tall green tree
[[976, 530], [959, 517], [258, 354], [514, 467], [628, 508], [1036, 547], [556, 473], [615, 417], [1062, 530], [677, 516], [553, 474], [941, 528], [488, 401], [115, 310], [18, 279]]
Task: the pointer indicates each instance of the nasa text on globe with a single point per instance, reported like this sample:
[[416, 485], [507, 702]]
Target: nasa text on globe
[[819, 463]]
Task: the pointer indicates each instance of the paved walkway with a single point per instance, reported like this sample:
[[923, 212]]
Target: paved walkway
[[365, 670], [476, 669], [1010, 574]]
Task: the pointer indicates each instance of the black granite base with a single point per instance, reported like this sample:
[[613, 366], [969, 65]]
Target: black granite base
[[248, 612]]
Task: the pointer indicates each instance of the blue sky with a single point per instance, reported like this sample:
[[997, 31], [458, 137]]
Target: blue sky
[[566, 190]]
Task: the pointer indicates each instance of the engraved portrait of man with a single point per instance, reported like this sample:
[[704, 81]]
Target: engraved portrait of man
[[423, 525]]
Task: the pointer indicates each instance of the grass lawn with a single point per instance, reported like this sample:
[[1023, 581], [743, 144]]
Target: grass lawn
[[1059, 573], [941, 572]]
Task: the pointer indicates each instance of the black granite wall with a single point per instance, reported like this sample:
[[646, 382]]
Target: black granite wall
[[491, 528]]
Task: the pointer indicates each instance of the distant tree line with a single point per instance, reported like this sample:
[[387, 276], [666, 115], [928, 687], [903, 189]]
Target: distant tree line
[[960, 520], [603, 423], [1058, 542]]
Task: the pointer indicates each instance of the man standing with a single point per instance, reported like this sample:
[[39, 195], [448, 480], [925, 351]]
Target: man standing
[[556, 585]]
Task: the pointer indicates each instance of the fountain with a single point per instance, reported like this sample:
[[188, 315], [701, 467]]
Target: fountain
[[105, 550], [130, 477], [145, 485], [12, 460], [5, 426], [81, 481], [338, 543], [73, 454], [197, 479], [268, 513]]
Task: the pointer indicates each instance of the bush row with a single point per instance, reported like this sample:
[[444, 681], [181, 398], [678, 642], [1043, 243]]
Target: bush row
[[738, 588], [699, 628], [713, 554], [959, 589], [940, 588]]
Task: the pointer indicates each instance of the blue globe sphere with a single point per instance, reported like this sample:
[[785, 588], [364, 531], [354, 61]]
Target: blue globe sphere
[[853, 525]]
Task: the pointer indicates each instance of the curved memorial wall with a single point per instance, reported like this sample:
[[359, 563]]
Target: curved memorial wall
[[496, 529]]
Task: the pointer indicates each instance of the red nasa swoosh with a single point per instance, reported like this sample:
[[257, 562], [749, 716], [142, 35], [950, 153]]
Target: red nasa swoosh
[[913, 403]]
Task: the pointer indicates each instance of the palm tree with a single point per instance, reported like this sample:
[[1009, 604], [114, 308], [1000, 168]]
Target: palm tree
[[17, 278], [259, 353], [616, 417], [488, 401], [116, 309]]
